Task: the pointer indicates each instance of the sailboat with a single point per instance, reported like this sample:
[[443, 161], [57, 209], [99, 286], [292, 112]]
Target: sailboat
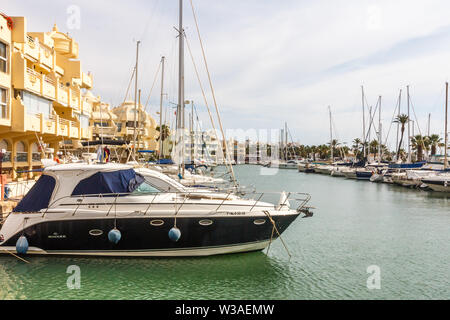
[[285, 162]]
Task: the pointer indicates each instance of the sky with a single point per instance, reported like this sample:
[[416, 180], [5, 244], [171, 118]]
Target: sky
[[271, 62]]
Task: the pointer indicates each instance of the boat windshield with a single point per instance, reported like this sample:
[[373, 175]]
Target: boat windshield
[[145, 188]]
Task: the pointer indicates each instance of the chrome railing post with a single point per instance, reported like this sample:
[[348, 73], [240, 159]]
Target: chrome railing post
[[256, 202]]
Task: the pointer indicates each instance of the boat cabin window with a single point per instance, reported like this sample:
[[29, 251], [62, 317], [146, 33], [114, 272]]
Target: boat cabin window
[[39, 195], [163, 186], [145, 188]]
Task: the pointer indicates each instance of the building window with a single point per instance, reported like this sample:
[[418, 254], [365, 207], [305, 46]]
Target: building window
[[84, 121], [3, 104], [3, 58], [100, 124], [36, 104]]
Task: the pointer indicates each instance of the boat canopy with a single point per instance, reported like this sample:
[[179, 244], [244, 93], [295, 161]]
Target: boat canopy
[[165, 161], [407, 165], [121, 181], [39, 195], [146, 151]]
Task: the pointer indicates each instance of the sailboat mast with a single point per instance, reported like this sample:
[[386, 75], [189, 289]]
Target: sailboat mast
[[398, 124], [409, 127], [180, 107], [446, 128], [379, 132], [331, 136], [161, 154], [364, 123], [192, 133], [135, 98], [286, 142]]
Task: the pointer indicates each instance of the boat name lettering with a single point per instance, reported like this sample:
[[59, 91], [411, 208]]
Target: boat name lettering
[[57, 236]]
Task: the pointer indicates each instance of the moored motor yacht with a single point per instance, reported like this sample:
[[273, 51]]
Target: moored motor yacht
[[115, 210]]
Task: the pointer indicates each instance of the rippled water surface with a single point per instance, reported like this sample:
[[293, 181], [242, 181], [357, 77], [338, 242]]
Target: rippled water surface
[[356, 224]]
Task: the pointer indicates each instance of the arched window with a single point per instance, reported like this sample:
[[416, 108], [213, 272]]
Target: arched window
[[4, 145], [21, 152], [20, 147]]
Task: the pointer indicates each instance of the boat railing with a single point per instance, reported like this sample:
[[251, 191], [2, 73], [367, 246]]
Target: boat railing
[[284, 203]]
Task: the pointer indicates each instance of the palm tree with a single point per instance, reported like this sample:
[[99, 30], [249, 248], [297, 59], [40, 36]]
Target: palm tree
[[403, 120], [314, 150], [323, 151], [434, 141], [418, 144], [165, 132], [334, 144], [373, 147], [355, 148]]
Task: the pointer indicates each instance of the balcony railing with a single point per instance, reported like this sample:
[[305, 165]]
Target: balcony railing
[[36, 156], [75, 98], [34, 80], [48, 88], [31, 48], [63, 94], [31, 42], [6, 157], [21, 156], [46, 56]]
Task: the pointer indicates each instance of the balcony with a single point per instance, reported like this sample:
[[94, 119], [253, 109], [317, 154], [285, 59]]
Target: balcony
[[33, 81], [49, 125], [86, 106], [86, 80], [106, 132], [33, 122], [66, 46], [85, 133], [49, 88], [6, 157], [63, 127], [21, 156], [31, 48], [74, 129], [62, 95], [75, 99], [46, 56]]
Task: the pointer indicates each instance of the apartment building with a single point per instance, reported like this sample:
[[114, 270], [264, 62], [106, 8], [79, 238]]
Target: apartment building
[[43, 94]]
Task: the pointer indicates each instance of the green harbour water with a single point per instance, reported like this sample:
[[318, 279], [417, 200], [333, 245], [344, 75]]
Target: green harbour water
[[356, 224]]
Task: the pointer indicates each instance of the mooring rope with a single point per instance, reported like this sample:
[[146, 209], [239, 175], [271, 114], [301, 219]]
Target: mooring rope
[[14, 255], [276, 229]]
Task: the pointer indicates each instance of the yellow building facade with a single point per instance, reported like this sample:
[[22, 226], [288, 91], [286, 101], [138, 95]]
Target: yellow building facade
[[44, 97], [146, 134], [46, 104]]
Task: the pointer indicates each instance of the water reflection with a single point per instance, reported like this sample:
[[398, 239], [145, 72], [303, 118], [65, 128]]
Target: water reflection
[[238, 276]]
